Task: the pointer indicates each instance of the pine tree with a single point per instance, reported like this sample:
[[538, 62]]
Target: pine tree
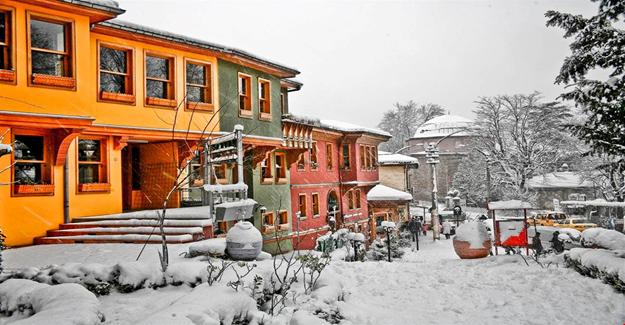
[[379, 250], [597, 46]]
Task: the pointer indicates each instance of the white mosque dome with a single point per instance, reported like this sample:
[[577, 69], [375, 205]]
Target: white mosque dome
[[443, 125]]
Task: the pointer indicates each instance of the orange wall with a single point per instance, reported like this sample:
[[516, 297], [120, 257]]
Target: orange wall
[[83, 100]]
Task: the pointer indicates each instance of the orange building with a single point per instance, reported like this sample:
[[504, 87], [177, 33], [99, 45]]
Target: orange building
[[100, 112]]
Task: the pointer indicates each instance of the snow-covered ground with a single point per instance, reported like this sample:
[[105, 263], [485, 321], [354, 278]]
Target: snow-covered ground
[[429, 286]]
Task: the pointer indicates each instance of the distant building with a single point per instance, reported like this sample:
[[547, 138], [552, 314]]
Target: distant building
[[562, 186], [395, 168], [453, 148]]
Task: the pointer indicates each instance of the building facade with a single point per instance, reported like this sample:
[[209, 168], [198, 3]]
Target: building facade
[[102, 113], [454, 145], [331, 177]]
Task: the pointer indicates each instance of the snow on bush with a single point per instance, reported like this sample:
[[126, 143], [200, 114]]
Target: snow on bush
[[605, 238], [473, 232], [606, 265], [212, 247], [28, 302]]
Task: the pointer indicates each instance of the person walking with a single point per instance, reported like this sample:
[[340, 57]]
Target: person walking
[[412, 227], [447, 229]]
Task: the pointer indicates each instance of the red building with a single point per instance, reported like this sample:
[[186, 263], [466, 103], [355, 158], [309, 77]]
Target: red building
[[331, 178]]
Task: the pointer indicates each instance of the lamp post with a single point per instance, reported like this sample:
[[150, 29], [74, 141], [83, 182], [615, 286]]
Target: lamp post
[[431, 153]]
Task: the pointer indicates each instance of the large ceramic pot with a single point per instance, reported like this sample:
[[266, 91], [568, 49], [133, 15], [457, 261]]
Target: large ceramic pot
[[465, 251], [244, 241]]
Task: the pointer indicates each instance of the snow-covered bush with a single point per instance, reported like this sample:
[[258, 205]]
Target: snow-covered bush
[[37, 303], [604, 238], [609, 266], [378, 250]]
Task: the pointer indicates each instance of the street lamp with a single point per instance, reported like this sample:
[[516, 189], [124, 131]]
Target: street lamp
[[431, 155]]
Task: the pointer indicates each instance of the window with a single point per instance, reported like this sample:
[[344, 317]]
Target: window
[[357, 199], [159, 80], [301, 166], [284, 217], [368, 157], [198, 81], [6, 50], [220, 174], [245, 96], [32, 172], [92, 165], [329, 162], [346, 157], [363, 157], [314, 162], [280, 167], [268, 219], [282, 103], [264, 100], [116, 74], [30, 165], [315, 204], [302, 205], [265, 170], [51, 52], [350, 200]]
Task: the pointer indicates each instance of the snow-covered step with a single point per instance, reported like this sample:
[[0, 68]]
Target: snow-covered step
[[201, 212], [138, 223], [126, 230], [101, 239]]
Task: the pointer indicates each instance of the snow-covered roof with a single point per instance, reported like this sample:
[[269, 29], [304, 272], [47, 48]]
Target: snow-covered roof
[[105, 5], [348, 127], [396, 159], [172, 37], [384, 193], [509, 205], [596, 203], [559, 179], [443, 125]]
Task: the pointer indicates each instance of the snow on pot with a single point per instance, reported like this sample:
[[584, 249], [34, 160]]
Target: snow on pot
[[244, 241], [472, 240]]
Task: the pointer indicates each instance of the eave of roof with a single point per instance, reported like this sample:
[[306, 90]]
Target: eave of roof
[[189, 41], [108, 6]]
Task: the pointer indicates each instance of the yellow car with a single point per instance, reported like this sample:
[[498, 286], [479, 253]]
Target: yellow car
[[575, 223], [549, 218]]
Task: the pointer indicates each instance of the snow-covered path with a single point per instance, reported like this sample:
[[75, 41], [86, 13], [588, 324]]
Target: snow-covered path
[[433, 286]]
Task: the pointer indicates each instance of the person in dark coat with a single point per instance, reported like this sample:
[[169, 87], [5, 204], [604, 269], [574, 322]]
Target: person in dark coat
[[556, 243], [537, 245], [412, 227]]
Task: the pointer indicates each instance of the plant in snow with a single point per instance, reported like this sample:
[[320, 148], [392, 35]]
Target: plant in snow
[[378, 250], [313, 265], [597, 45], [403, 120], [239, 282]]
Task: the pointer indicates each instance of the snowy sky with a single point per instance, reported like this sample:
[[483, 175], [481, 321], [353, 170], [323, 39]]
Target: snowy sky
[[358, 57]]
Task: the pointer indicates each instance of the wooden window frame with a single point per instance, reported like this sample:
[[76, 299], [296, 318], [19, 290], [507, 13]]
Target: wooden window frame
[[343, 156], [357, 197], [7, 68], [282, 103], [283, 215], [48, 187], [329, 158], [280, 173], [103, 184], [170, 101], [374, 158], [247, 110], [264, 100], [128, 97], [301, 162], [208, 87], [304, 213], [362, 155], [268, 161], [314, 157], [68, 81], [316, 211], [350, 200], [268, 226]]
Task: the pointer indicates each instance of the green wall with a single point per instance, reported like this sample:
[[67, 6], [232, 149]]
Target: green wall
[[273, 196], [229, 101]]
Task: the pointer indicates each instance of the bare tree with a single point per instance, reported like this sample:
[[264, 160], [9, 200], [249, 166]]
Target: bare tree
[[403, 120], [522, 137]]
